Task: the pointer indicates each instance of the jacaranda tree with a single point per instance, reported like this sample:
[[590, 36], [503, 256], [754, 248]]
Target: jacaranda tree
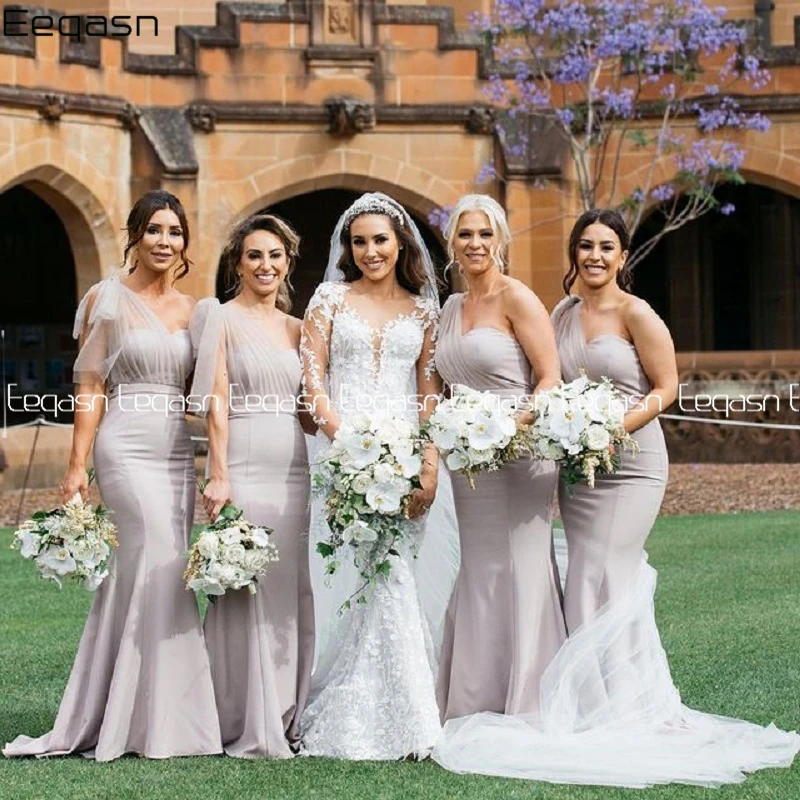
[[660, 78]]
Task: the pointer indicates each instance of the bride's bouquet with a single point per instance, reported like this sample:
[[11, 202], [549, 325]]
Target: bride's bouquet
[[231, 553], [73, 541], [579, 424], [476, 432], [367, 476]]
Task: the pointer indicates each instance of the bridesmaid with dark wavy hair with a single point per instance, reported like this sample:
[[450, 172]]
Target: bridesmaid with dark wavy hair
[[141, 681], [261, 647]]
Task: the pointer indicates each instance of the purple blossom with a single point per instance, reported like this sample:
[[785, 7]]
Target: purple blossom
[[663, 193], [487, 173], [439, 217], [727, 209]]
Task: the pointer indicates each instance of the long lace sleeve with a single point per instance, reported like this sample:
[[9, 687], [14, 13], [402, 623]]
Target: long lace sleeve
[[427, 377], [206, 331], [315, 340], [97, 325]]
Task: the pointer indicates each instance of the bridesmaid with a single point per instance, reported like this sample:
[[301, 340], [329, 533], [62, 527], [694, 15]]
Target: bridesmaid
[[608, 331], [504, 622], [262, 646], [141, 681]]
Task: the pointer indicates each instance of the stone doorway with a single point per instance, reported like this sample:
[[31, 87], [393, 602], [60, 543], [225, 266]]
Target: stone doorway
[[729, 282], [37, 305], [314, 216]]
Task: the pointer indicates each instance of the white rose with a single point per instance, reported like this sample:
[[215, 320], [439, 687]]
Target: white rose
[[597, 438], [230, 535], [260, 537], [383, 473], [234, 554], [86, 553], [361, 483], [207, 546]]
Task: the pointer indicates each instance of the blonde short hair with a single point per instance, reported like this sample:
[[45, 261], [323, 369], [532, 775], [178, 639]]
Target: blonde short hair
[[497, 221]]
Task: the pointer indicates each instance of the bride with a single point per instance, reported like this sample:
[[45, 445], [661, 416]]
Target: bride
[[368, 339]]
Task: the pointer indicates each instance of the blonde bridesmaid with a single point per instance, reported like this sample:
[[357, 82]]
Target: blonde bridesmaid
[[504, 623], [249, 372], [141, 681]]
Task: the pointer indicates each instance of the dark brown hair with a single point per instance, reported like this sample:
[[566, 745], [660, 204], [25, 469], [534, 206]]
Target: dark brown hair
[[611, 219], [141, 214], [232, 254], [410, 268]]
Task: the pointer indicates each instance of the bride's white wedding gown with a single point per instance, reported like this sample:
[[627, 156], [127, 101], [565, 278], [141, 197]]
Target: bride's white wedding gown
[[373, 689]]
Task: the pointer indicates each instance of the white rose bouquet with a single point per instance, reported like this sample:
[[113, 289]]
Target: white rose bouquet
[[579, 424], [367, 476], [231, 553], [73, 541], [477, 432]]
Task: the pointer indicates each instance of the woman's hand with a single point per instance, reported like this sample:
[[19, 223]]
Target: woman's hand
[[76, 481], [422, 499], [215, 495], [525, 418]]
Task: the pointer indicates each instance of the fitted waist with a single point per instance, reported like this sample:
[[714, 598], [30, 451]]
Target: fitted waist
[[144, 388]]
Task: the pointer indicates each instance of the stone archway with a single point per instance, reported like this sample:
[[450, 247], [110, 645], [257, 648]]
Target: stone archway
[[314, 214], [94, 241], [55, 239], [729, 282]]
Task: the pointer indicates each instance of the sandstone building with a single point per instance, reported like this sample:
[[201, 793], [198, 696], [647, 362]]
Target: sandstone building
[[299, 105]]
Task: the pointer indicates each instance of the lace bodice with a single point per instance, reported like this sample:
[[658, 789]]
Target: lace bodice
[[362, 367]]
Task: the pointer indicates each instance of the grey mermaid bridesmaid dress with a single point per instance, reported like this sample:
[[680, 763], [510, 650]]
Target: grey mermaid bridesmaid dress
[[141, 681], [606, 527], [610, 713], [261, 646], [504, 623]]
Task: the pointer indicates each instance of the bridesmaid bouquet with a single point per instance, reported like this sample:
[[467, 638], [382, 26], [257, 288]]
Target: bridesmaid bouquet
[[231, 553], [367, 476], [73, 541], [476, 432], [579, 424]]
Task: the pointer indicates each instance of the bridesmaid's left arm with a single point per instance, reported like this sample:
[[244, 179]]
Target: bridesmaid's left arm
[[429, 388], [656, 351], [534, 332]]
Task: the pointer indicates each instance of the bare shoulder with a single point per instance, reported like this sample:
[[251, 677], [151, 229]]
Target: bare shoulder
[[640, 317], [186, 301], [519, 297]]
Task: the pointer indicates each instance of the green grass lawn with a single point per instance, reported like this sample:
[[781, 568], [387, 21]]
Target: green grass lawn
[[729, 612]]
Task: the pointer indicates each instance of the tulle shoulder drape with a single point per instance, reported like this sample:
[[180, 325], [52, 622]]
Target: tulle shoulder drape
[[124, 341]]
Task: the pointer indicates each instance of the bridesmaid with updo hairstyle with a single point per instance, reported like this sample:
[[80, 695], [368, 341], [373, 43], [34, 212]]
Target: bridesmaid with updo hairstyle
[[504, 623], [248, 370], [141, 681]]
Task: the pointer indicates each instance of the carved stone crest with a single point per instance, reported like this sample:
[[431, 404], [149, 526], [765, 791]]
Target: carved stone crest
[[481, 120], [202, 119], [348, 116], [53, 107], [340, 18]]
